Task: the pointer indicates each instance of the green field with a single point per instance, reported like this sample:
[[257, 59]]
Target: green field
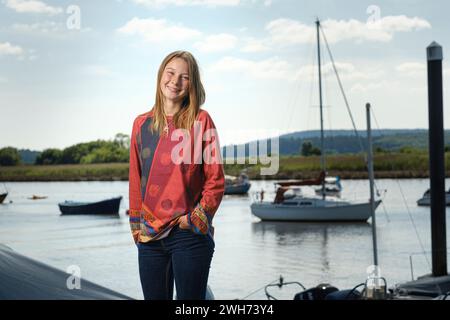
[[387, 165], [69, 172]]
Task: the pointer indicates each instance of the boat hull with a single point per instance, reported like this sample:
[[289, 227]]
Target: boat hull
[[2, 197], [338, 212], [110, 206], [237, 189], [426, 201]]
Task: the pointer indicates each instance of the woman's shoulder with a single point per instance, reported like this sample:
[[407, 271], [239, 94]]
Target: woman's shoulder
[[143, 116], [205, 118], [203, 115]]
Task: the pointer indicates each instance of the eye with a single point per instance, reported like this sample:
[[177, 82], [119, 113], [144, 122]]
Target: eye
[[186, 78]]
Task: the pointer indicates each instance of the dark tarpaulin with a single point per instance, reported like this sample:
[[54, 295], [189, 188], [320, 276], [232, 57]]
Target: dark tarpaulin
[[426, 286], [25, 278]]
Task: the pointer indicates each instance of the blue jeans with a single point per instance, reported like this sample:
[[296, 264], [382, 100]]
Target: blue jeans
[[182, 256]]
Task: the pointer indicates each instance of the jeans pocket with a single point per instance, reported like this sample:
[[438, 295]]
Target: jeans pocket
[[211, 242]]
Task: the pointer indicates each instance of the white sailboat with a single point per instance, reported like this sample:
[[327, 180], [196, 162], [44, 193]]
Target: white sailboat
[[333, 187], [297, 206]]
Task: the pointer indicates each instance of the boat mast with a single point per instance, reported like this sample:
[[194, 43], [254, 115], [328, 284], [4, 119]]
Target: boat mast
[[322, 148], [371, 179]]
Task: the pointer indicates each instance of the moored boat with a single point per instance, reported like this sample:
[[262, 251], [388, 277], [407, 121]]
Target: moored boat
[[239, 185], [304, 208], [109, 206], [3, 196], [426, 199], [313, 209]]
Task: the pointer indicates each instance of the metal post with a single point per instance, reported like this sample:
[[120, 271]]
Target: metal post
[[322, 144], [437, 160], [371, 179]]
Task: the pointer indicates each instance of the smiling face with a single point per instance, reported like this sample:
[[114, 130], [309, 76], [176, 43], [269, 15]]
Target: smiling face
[[175, 81]]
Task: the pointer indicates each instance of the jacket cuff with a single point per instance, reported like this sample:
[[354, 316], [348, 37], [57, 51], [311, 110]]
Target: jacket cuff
[[135, 224], [199, 220]]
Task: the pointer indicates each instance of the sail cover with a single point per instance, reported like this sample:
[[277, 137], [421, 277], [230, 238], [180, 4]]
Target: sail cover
[[27, 279]]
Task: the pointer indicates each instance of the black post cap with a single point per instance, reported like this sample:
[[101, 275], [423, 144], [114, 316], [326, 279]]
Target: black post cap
[[434, 52]]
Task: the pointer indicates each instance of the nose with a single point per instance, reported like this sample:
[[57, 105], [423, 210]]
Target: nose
[[175, 81]]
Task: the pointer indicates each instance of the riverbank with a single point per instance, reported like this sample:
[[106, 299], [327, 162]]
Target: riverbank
[[387, 165], [70, 172]]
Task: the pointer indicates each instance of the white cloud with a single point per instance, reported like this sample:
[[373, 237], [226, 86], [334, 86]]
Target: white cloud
[[46, 28], [39, 27], [158, 30], [272, 68], [255, 45], [32, 6], [275, 68], [412, 68], [287, 31], [347, 71], [206, 3], [7, 48], [216, 43]]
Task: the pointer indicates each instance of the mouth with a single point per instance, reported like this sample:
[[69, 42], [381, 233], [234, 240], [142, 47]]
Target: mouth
[[174, 90]]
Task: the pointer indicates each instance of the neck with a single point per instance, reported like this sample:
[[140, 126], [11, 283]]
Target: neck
[[171, 107]]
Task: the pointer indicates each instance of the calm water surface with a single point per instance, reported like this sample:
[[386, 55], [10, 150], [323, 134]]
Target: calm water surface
[[249, 253]]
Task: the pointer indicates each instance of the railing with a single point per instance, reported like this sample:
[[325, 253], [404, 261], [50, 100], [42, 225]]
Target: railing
[[411, 264]]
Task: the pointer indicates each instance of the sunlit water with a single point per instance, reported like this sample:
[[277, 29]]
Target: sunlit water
[[249, 253]]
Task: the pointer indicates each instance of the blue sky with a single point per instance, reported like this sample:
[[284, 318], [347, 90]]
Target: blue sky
[[62, 84]]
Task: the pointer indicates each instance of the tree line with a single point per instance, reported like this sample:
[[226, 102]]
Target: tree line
[[100, 151]]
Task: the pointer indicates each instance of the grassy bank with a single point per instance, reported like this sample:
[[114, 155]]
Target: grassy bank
[[75, 172], [387, 165]]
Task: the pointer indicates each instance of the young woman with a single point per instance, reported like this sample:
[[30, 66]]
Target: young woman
[[175, 185]]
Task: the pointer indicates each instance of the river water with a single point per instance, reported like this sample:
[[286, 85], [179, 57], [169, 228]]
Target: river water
[[249, 253]]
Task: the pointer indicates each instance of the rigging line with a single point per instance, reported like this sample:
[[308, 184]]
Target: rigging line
[[375, 118], [327, 108], [253, 292], [406, 204], [297, 93], [372, 112], [311, 86], [414, 225], [341, 87], [292, 101], [342, 90]]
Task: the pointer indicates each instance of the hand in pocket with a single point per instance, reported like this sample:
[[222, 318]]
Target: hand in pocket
[[183, 223]]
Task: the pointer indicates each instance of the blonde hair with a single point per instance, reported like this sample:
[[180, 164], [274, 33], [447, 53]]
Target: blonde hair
[[190, 106]]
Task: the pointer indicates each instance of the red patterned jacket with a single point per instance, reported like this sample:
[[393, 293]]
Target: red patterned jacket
[[169, 179]]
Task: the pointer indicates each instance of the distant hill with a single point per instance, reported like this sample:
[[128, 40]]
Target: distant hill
[[345, 141], [336, 141], [28, 156]]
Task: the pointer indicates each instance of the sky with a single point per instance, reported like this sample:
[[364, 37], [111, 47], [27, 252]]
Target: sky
[[77, 71]]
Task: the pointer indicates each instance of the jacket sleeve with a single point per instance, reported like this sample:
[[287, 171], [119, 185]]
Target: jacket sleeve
[[134, 178], [200, 219]]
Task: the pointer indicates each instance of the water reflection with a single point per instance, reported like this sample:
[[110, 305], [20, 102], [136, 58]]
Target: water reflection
[[283, 229], [308, 235]]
